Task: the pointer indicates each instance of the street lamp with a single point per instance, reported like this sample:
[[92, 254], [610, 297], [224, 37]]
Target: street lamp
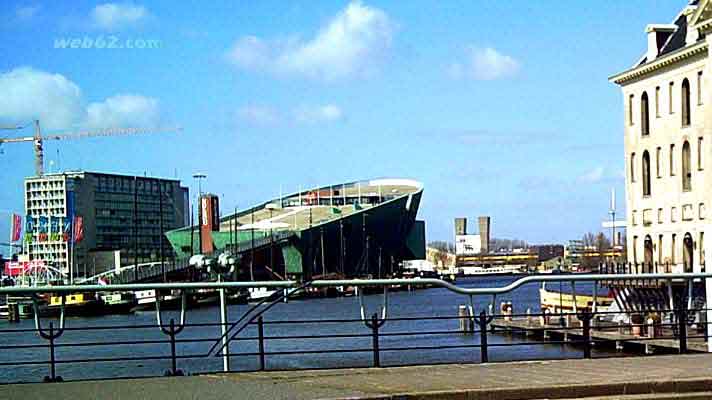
[[199, 177]]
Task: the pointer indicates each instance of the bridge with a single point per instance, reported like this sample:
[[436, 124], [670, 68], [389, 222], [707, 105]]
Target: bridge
[[153, 271]]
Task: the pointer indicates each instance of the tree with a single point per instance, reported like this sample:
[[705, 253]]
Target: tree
[[442, 245]]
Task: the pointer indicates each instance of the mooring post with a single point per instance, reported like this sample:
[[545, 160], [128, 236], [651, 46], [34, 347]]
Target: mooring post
[[682, 329], [585, 318]]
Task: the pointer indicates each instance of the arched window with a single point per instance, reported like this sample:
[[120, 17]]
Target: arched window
[[644, 115], [687, 253], [686, 170], [685, 100], [646, 173]]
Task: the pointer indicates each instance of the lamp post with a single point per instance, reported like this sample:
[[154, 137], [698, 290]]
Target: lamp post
[[199, 176], [271, 207]]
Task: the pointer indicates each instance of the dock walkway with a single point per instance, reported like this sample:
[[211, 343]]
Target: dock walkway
[[559, 379], [600, 335]]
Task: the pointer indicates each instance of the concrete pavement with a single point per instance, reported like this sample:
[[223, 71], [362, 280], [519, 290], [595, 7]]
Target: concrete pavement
[[502, 381]]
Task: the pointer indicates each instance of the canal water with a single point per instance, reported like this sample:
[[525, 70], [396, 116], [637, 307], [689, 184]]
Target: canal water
[[434, 302]]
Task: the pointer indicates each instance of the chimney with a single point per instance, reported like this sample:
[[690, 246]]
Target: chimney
[[658, 34], [484, 223], [691, 34], [460, 226]]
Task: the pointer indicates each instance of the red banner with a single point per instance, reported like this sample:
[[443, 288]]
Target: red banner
[[15, 268], [16, 227], [78, 229]]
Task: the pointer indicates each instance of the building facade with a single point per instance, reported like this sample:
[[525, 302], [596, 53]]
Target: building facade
[[120, 216], [667, 100]]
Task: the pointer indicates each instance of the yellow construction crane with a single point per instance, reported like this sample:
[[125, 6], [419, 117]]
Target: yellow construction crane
[[37, 138]]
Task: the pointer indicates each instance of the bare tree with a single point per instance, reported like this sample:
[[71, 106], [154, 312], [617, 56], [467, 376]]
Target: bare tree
[[442, 245]]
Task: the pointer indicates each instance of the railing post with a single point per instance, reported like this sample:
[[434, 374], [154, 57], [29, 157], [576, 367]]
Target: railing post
[[682, 329], [261, 341], [52, 367], [376, 347], [585, 318], [174, 359], [483, 321]]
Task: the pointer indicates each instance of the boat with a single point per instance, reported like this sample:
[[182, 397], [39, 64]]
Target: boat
[[75, 305], [260, 293], [118, 302], [240, 296], [555, 302], [492, 270], [206, 297], [146, 300], [24, 307]]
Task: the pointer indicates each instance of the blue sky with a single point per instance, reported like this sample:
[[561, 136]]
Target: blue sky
[[499, 108]]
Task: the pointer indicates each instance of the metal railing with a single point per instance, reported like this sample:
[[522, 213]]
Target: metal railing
[[377, 334]]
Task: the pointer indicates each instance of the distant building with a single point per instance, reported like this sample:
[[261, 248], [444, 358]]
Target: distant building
[[352, 229], [108, 205], [546, 252]]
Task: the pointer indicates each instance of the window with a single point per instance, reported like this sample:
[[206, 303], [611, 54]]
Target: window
[[635, 249], [644, 115], [699, 154], [630, 110], [686, 171], [699, 88], [672, 160], [657, 102], [660, 215], [672, 248], [632, 167], [701, 246], [658, 156], [660, 249], [685, 102], [670, 90], [646, 173]]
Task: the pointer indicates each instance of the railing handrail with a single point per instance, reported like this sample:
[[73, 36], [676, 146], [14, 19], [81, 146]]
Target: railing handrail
[[27, 290]]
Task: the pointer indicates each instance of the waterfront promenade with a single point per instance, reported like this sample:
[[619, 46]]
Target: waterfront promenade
[[690, 375]]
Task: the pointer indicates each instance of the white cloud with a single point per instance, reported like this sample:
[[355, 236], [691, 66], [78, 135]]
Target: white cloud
[[32, 94], [303, 115], [112, 16], [485, 64], [312, 115], [259, 115], [593, 176], [348, 46], [27, 12], [123, 110], [58, 103]]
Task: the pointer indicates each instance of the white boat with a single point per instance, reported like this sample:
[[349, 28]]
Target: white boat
[[257, 294], [493, 270], [146, 300]]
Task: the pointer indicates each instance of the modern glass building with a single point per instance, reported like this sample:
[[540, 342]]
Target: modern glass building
[[123, 219]]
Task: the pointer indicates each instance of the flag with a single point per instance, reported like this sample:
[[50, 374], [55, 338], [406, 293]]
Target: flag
[[78, 233], [16, 227], [29, 228], [66, 228]]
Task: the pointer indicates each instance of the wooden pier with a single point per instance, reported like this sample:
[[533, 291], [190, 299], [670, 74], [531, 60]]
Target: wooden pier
[[601, 334]]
